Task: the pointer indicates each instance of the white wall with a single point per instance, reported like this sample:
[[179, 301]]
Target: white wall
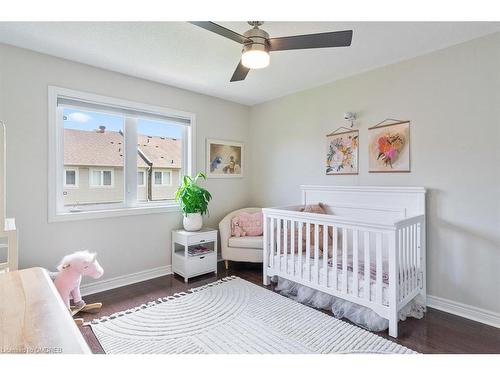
[[452, 98], [126, 244]]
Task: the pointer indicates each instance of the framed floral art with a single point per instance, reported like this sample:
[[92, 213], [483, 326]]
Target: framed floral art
[[389, 147], [342, 148]]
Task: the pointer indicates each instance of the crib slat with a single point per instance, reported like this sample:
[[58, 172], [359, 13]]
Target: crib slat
[[419, 247], [410, 281], [400, 264], [408, 260], [325, 255], [415, 261], [355, 280], [278, 242], [334, 257], [271, 247], [308, 251], [366, 286], [412, 256], [344, 260], [316, 253], [300, 248], [378, 244], [292, 244], [405, 266], [285, 244]]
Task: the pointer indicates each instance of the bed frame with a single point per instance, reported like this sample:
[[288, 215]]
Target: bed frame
[[386, 224]]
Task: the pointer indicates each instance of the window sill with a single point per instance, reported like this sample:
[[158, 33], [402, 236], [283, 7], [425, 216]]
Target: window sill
[[116, 212]]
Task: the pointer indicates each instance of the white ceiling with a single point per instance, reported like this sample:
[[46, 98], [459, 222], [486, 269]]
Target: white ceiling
[[186, 56]]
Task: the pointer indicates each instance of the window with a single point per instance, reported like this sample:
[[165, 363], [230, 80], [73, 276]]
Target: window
[[118, 157], [158, 178], [101, 178], [163, 178], [70, 177], [141, 178]]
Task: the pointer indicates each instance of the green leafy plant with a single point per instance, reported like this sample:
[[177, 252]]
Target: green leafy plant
[[192, 197]]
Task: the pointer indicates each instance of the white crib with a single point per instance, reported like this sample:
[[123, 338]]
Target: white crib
[[381, 227]]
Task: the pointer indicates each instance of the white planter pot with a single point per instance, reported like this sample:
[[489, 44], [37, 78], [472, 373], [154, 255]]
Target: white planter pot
[[192, 222]]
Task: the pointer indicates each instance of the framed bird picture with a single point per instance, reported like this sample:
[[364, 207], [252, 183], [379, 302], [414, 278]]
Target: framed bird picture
[[224, 159]]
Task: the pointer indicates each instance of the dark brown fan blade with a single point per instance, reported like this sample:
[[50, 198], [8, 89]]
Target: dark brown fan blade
[[240, 73], [218, 29], [323, 40]]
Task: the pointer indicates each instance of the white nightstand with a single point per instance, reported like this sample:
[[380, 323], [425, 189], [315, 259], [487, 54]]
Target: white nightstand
[[194, 253]]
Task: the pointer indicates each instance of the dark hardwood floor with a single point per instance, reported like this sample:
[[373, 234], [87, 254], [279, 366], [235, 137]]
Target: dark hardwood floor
[[437, 332]]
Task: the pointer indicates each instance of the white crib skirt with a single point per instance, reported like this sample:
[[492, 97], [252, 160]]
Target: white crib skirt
[[360, 315]]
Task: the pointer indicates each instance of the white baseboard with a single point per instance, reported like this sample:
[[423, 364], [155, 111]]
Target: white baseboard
[[116, 282], [466, 311]]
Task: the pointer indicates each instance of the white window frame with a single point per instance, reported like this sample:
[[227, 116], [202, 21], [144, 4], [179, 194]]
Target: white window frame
[[101, 185], [77, 173], [143, 183], [130, 206], [163, 173]]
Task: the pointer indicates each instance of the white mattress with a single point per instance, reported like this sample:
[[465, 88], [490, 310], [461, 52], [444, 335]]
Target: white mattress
[[340, 278]]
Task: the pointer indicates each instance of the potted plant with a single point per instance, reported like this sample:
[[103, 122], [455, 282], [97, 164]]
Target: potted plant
[[193, 200]]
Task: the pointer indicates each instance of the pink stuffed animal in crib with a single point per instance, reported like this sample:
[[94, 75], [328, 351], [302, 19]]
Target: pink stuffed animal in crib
[[71, 269]]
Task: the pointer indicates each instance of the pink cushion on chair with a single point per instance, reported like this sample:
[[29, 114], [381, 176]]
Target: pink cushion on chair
[[251, 224]]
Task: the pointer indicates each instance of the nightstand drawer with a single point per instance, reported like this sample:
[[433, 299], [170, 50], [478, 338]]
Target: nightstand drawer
[[201, 264], [194, 253], [202, 238]]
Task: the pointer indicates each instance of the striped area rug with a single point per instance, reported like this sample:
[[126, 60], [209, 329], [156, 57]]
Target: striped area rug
[[233, 316]]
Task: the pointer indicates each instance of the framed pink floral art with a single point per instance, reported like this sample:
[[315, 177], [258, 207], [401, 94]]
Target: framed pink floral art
[[389, 147]]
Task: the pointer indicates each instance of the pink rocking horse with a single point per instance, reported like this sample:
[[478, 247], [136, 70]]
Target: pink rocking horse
[[67, 281]]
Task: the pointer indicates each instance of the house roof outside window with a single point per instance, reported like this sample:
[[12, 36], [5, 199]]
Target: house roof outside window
[[106, 148]]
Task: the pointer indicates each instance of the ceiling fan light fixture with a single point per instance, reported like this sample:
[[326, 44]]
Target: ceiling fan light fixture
[[255, 59], [255, 56]]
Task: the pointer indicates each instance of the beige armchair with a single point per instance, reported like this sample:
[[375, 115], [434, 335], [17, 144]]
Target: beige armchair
[[239, 249]]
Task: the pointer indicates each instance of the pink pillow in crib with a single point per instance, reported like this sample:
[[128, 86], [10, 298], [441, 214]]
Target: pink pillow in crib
[[251, 223]]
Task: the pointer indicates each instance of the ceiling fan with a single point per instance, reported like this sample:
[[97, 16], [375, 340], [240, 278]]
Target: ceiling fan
[[257, 44]]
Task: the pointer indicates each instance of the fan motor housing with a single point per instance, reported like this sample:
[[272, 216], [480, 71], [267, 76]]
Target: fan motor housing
[[259, 40]]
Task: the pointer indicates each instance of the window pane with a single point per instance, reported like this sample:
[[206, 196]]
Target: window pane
[[160, 151], [70, 178], [158, 178], [140, 178], [167, 178], [93, 144], [96, 178], [106, 178]]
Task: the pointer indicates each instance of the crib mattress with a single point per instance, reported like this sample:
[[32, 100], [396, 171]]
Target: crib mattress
[[340, 274]]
